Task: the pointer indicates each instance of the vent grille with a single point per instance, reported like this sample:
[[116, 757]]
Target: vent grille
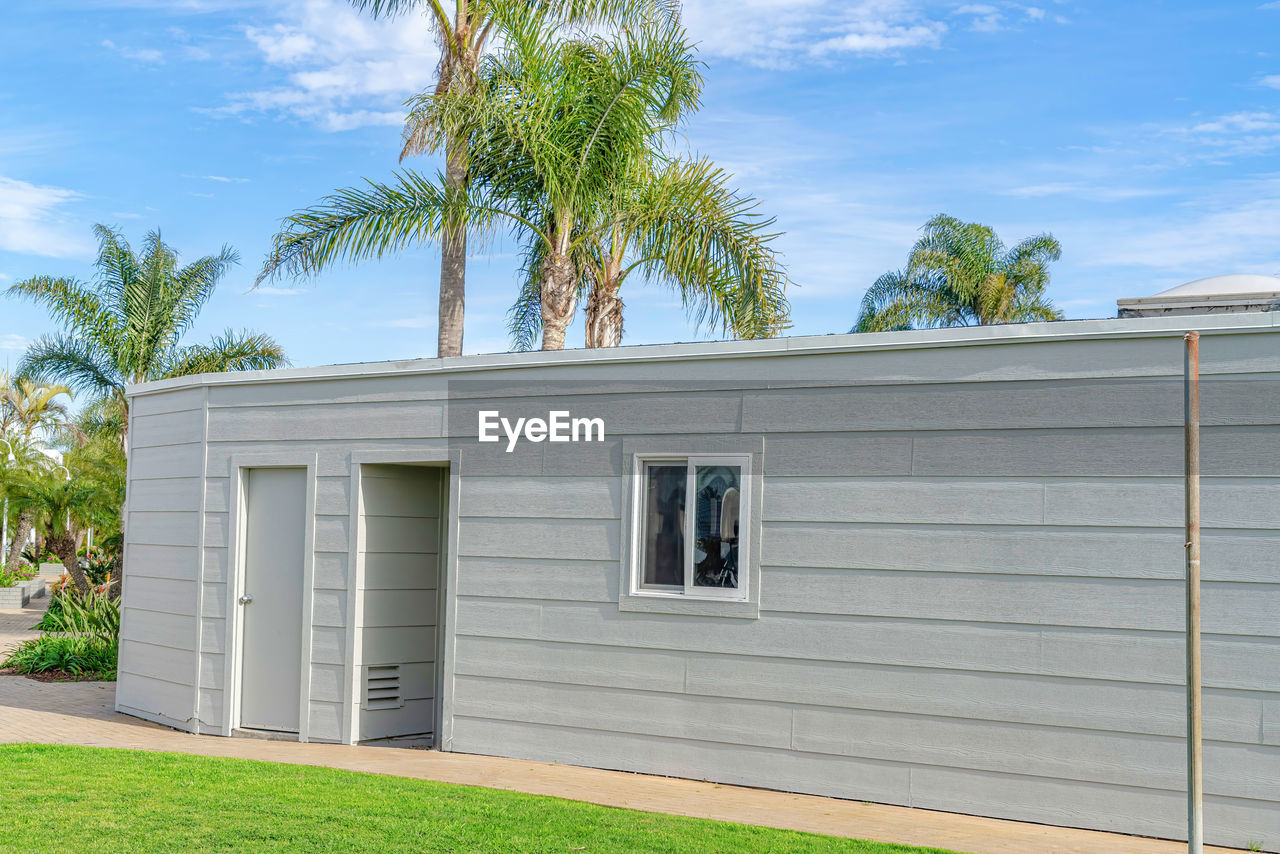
[[382, 687]]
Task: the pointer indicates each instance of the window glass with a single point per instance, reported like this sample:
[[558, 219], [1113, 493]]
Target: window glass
[[665, 486], [718, 492]]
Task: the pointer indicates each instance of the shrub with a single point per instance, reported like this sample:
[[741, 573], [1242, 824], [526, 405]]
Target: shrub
[[9, 578], [77, 655], [80, 636], [98, 567], [30, 556], [96, 615]]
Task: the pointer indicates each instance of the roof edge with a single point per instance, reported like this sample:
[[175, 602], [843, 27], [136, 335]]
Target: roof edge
[[1062, 330], [1251, 298]]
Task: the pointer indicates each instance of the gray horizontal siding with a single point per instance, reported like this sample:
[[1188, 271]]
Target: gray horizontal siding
[[159, 658], [1029, 550], [1249, 664], [971, 571]]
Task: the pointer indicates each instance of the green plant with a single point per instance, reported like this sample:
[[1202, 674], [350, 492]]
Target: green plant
[[77, 655], [99, 567], [60, 505], [961, 274], [680, 225], [128, 325], [463, 32], [30, 556], [95, 615], [27, 406], [80, 635], [11, 577], [565, 135]]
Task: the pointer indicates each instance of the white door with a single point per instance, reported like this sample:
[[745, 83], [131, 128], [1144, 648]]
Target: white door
[[271, 598]]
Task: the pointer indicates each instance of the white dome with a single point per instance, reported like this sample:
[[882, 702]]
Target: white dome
[[1238, 283]]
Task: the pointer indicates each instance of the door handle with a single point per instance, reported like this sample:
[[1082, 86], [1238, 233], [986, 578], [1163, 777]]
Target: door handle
[[246, 599]]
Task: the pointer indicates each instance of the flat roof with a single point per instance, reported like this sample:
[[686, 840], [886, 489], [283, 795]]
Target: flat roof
[[963, 336]]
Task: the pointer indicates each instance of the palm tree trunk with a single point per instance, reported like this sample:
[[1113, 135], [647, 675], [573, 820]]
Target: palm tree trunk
[[453, 262], [559, 298], [64, 546], [19, 540], [604, 314]]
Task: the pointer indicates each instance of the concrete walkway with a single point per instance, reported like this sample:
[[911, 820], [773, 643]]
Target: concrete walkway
[[81, 713], [15, 626]]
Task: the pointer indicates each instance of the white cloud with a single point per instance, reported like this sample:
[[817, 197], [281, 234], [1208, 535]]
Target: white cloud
[[220, 179], [1234, 134], [1232, 230], [343, 69], [139, 55], [881, 37], [1083, 190], [281, 45], [1034, 13], [1244, 122], [32, 220], [784, 32], [267, 290], [1271, 81], [986, 18], [11, 341]]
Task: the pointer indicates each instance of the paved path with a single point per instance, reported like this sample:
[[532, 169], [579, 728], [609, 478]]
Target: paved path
[[81, 713], [15, 626]]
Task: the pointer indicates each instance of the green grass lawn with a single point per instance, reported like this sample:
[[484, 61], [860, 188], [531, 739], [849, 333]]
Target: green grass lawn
[[81, 799]]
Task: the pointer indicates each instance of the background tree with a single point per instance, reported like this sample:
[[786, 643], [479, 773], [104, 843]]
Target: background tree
[[25, 459], [60, 505], [463, 32], [961, 274], [678, 224], [29, 408], [127, 326], [553, 125]]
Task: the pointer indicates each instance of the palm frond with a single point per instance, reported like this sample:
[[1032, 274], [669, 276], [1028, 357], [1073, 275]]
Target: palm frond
[[960, 273], [78, 362], [231, 351], [704, 240], [195, 283], [356, 224], [69, 303]]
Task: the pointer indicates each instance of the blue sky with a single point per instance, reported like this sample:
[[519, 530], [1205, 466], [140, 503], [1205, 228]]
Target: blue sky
[[1143, 135]]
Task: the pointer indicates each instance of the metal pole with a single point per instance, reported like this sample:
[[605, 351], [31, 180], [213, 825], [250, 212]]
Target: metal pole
[[1195, 777], [4, 529]]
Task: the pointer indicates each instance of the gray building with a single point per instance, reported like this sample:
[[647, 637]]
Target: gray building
[[939, 568]]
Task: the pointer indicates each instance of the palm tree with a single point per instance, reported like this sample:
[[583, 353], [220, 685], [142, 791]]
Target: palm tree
[[127, 326], [94, 456], [552, 124], [21, 460], [961, 274], [676, 223], [463, 36], [60, 504], [27, 406]]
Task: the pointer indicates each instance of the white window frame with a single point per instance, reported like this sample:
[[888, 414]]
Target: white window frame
[[688, 591]]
